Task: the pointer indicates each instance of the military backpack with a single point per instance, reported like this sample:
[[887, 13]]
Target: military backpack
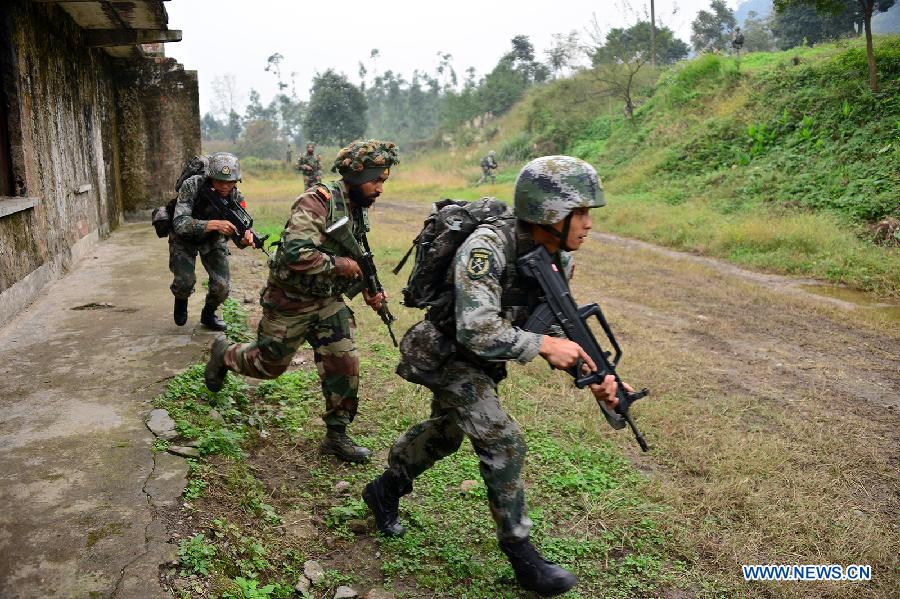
[[162, 216], [430, 285]]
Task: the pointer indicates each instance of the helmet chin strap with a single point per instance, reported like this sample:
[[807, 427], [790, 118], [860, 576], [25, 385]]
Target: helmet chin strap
[[563, 235]]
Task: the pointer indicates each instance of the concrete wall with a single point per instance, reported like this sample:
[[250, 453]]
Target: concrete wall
[[91, 139], [159, 130]]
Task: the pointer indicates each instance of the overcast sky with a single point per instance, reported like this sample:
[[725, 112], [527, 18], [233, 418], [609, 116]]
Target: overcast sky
[[237, 36]]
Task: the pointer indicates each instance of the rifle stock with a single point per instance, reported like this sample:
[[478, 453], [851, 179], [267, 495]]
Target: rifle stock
[[560, 310]]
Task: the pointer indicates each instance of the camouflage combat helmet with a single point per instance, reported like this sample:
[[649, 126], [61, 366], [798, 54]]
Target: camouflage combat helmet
[[549, 188], [224, 166]]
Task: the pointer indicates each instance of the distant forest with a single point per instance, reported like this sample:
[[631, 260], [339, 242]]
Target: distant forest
[[446, 106]]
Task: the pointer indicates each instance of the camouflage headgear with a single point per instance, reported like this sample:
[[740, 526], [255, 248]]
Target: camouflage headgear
[[224, 166], [549, 188], [363, 161], [492, 153]]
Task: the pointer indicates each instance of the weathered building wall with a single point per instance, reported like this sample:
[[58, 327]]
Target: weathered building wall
[[91, 138], [62, 100], [159, 130]]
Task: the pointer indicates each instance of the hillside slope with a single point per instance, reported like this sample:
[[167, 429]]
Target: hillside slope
[[781, 161]]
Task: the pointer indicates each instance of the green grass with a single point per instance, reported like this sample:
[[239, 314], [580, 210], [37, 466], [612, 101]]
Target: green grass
[[591, 509]]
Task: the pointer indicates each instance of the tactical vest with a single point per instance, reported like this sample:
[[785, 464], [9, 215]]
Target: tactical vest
[[323, 285]]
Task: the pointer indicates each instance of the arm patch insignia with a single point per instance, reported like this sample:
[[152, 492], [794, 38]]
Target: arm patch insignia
[[479, 263], [323, 193]]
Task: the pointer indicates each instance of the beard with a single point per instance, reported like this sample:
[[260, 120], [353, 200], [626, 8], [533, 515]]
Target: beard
[[357, 197]]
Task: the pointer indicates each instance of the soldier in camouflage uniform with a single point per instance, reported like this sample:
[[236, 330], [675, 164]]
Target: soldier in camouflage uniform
[[302, 301], [311, 166], [552, 198], [488, 166], [197, 228]]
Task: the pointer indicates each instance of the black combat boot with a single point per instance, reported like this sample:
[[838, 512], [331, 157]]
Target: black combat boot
[[382, 495], [337, 443], [534, 573], [211, 320], [180, 311], [215, 372]]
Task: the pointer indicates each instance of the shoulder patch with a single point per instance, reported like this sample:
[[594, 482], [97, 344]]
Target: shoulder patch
[[323, 193], [479, 263]]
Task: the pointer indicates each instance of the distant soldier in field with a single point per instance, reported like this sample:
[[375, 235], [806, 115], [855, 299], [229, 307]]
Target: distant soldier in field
[[289, 155], [461, 355], [311, 166], [197, 228], [737, 40], [303, 298], [488, 166]]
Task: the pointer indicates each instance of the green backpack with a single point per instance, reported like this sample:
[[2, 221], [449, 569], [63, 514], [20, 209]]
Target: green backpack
[[450, 222]]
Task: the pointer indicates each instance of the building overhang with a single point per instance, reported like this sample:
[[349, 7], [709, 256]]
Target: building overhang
[[120, 28]]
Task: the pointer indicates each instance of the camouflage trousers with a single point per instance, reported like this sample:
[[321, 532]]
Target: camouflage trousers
[[468, 407], [329, 330], [182, 261], [487, 173]]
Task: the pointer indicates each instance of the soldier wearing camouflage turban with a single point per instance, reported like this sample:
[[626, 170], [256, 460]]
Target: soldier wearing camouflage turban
[[303, 298], [310, 165], [488, 166], [197, 228], [463, 364]]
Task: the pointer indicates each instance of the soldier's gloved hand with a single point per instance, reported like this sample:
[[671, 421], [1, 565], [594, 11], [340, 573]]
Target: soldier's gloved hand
[[374, 301], [220, 226], [347, 268], [247, 239], [562, 353]]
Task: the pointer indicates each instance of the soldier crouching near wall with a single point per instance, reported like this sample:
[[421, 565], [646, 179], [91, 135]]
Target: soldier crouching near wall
[[303, 299], [197, 229]]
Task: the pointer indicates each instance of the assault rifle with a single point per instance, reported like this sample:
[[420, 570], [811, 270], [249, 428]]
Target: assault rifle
[[234, 213], [340, 232], [558, 309]]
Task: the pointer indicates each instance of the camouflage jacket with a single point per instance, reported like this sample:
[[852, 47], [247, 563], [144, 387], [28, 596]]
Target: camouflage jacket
[[486, 324], [311, 161], [488, 162], [192, 213], [304, 263]]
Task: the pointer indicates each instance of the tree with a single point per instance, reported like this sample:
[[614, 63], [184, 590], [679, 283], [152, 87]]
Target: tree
[[259, 140], [516, 71], [233, 127], [211, 127], [710, 30], [862, 11], [628, 43], [562, 52], [800, 24], [758, 35], [337, 110], [618, 57], [227, 96]]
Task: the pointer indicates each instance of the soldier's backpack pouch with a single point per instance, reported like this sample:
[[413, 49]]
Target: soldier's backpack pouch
[[162, 219], [161, 222], [424, 352]]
